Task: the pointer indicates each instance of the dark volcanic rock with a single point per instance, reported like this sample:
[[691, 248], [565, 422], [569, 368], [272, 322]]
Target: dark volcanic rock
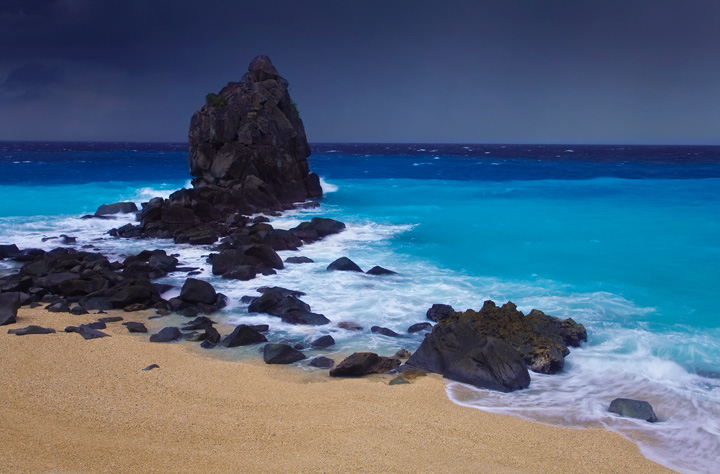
[[364, 363], [344, 264], [322, 362], [168, 334], [130, 295], [317, 228], [542, 340], [211, 335], [322, 342], [58, 307], [280, 302], [350, 326], [243, 335], [419, 327], [33, 330], [377, 270], [116, 208], [86, 331], [629, 408], [201, 322], [281, 354], [457, 351], [438, 312], [111, 319], [250, 138], [384, 331], [9, 251], [299, 260], [9, 304], [198, 291], [133, 326]]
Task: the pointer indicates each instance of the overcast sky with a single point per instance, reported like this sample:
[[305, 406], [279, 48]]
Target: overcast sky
[[532, 71]]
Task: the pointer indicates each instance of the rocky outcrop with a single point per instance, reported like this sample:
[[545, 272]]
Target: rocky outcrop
[[249, 138], [459, 352], [492, 348], [70, 279], [248, 154], [542, 340]]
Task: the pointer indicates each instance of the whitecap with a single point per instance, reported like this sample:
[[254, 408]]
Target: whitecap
[[327, 187]]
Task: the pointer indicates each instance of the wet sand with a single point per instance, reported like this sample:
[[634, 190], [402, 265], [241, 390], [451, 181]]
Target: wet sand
[[75, 405]]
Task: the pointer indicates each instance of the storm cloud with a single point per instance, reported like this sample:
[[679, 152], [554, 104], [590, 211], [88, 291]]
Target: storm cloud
[[379, 71]]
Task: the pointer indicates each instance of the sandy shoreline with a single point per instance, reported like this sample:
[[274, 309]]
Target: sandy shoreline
[[71, 405]]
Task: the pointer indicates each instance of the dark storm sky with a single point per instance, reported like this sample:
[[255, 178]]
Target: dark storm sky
[[532, 71]]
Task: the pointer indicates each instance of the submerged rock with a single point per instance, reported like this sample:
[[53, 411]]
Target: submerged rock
[[281, 354], [419, 327], [116, 208], [377, 270], [322, 362], [323, 342], [630, 408], [344, 264], [384, 331]]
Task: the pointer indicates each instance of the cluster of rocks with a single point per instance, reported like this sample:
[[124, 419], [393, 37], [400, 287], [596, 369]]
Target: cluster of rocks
[[344, 264], [493, 348], [69, 280]]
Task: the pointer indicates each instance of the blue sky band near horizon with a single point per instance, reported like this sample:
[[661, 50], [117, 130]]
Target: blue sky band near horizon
[[520, 71]]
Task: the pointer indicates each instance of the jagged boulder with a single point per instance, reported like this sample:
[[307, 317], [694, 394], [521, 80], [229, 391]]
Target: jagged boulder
[[250, 137], [542, 340], [459, 352]]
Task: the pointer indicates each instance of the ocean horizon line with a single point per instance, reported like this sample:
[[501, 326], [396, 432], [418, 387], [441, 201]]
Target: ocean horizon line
[[390, 143]]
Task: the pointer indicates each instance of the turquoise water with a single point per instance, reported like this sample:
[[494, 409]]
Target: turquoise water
[[623, 240]]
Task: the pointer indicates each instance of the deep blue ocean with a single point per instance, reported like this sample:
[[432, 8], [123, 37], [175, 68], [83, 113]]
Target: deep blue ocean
[[623, 239]]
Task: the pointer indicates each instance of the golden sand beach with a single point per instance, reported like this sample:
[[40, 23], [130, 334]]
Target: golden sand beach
[[75, 405]]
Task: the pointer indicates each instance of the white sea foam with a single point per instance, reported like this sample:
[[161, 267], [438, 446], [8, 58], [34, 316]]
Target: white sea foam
[[687, 436], [327, 187]]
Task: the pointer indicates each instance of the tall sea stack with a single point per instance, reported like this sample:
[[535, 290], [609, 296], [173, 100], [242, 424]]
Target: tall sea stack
[[248, 154], [250, 137]]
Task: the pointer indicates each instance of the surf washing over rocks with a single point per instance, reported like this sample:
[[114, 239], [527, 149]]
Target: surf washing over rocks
[[452, 230]]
